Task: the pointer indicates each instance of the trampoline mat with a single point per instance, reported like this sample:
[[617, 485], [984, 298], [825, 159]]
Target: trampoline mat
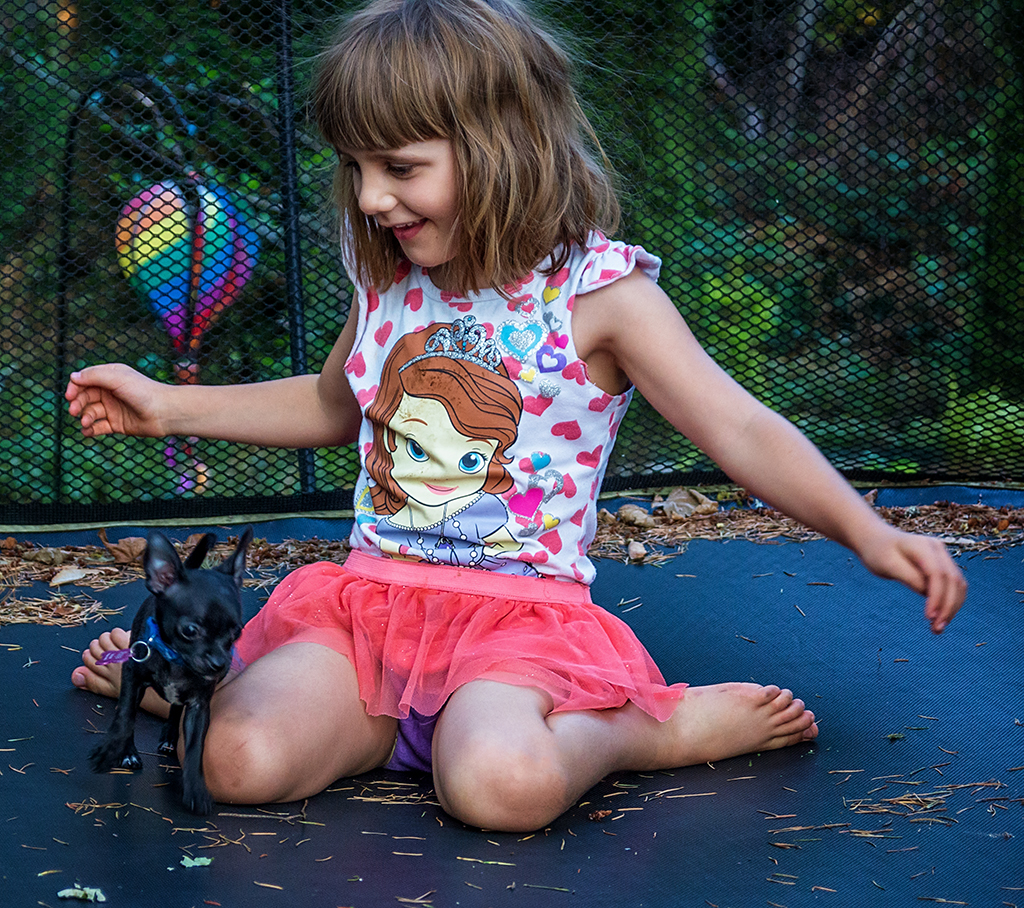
[[913, 793]]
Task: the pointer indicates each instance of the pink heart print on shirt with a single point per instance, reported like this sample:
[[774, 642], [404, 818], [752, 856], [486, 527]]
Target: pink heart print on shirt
[[575, 372], [536, 405], [364, 397], [590, 458], [356, 366], [526, 504], [382, 334], [569, 430], [551, 541]]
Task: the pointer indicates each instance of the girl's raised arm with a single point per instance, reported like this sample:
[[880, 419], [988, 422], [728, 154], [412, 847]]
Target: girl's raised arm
[[301, 411], [636, 323]]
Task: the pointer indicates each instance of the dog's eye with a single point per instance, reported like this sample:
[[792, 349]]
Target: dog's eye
[[189, 630]]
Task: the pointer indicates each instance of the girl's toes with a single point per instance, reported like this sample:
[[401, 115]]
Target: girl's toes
[[104, 680]]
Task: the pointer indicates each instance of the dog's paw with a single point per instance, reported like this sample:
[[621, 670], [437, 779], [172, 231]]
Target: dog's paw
[[115, 755], [131, 761], [166, 748]]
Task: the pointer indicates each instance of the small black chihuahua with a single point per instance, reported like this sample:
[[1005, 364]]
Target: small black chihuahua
[[181, 647]]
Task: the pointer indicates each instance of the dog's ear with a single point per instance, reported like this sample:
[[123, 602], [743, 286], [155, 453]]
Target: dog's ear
[[198, 555], [161, 562], [235, 564]]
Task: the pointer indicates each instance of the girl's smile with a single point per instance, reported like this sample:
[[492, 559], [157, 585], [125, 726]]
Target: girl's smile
[[405, 232], [413, 192]]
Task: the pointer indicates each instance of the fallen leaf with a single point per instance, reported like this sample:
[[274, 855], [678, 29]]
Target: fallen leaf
[[635, 515], [45, 556], [127, 551], [636, 551], [69, 575], [685, 503], [82, 893]]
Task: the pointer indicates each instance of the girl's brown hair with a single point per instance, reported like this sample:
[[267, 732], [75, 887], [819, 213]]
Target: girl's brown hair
[[483, 75]]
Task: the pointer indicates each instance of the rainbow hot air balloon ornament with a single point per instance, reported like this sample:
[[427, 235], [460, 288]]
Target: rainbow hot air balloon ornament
[[189, 262]]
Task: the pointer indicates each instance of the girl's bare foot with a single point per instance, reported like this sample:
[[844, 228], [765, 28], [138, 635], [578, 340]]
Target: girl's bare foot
[[105, 680], [726, 720]]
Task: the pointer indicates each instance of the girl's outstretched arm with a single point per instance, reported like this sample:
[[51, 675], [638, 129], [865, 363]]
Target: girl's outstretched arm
[[634, 323], [301, 411]]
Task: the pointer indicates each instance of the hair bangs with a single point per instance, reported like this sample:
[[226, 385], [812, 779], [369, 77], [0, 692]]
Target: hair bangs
[[377, 89]]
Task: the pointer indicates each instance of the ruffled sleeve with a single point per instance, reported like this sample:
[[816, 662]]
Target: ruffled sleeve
[[605, 261]]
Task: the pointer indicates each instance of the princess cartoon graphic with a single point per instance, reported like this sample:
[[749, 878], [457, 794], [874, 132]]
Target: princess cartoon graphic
[[444, 417]]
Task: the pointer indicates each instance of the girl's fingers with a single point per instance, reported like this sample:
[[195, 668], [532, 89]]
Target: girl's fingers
[[946, 591]]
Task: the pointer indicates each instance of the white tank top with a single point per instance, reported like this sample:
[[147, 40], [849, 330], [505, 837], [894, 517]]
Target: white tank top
[[483, 442]]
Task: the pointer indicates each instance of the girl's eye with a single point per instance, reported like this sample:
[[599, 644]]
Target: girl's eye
[[415, 451], [472, 462], [400, 170]]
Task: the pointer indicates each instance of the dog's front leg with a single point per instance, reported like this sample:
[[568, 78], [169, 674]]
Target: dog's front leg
[[169, 734], [118, 746], [196, 796]]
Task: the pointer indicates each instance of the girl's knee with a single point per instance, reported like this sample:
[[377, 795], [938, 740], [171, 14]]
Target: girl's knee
[[493, 785], [240, 764]]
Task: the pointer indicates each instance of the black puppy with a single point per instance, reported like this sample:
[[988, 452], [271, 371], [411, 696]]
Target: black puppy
[[181, 647]]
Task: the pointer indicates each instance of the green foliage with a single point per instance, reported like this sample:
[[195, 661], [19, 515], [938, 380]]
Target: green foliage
[[866, 279], [979, 428]]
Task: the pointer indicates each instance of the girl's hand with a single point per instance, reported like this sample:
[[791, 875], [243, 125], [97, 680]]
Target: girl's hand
[[114, 398], [924, 565]]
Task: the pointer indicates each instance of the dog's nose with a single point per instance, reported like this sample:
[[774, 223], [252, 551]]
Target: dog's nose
[[215, 663]]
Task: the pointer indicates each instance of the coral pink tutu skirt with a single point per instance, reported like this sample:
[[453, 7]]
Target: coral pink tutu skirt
[[415, 633]]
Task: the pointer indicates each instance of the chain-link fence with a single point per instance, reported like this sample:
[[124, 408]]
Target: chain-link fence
[[835, 188]]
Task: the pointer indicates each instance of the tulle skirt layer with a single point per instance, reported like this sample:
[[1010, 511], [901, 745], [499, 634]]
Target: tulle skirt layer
[[415, 633]]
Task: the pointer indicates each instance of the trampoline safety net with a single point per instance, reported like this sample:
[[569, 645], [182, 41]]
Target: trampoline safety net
[[835, 187]]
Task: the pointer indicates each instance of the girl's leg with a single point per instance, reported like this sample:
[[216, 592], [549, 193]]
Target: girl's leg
[[502, 760], [283, 729], [290, 725]]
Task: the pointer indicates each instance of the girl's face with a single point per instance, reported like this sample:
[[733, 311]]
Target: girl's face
[[413, 192], [435, 463]]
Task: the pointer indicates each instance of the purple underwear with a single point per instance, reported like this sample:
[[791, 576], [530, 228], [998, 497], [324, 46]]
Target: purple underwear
[[412, 747]]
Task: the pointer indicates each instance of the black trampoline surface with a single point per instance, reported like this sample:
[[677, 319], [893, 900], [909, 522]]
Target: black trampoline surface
[[913, 794]]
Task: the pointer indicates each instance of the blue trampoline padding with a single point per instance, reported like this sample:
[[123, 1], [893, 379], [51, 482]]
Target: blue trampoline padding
[[273, 530], [928, 730], [901, 497]]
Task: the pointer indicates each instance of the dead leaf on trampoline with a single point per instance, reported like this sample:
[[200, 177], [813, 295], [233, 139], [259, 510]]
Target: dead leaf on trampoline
[[125, 551]]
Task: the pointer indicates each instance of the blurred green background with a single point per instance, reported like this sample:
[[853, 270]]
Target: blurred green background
[[834, 188]]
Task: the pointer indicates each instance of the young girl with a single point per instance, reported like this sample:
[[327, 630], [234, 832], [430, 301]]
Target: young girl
[[491, 350]]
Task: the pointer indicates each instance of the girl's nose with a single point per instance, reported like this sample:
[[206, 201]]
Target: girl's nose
[[374, 195]]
